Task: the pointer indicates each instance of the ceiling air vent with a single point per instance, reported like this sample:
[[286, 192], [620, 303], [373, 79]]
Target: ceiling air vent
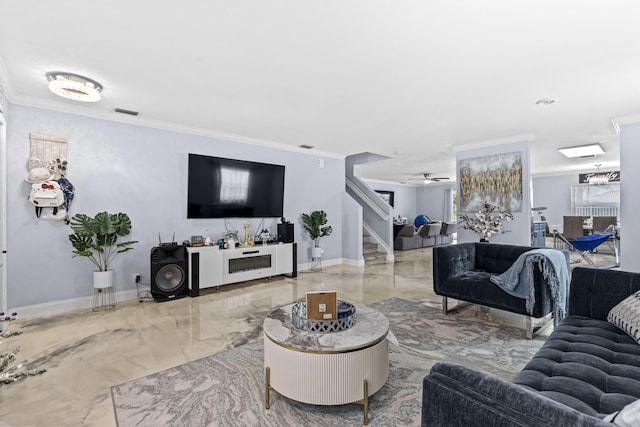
[[308, 147], [129, 112]]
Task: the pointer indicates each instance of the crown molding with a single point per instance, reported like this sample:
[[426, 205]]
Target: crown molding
[[72, 108], [525, 137], [624, 120]]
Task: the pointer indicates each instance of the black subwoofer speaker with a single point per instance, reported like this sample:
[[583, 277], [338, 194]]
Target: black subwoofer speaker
[[169, 265]]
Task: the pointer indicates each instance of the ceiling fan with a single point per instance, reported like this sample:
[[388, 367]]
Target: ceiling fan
[[427, 178]]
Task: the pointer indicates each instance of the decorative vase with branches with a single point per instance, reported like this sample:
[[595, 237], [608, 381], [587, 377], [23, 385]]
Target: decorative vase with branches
[[487, 221]]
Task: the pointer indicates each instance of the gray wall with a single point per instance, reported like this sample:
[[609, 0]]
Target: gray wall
[[431, 200], [143, 172], [404, 197], [352, 226], [630, 197], [554, 192]]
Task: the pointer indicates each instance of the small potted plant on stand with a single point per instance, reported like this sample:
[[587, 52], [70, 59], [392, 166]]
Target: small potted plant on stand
[[315, 225], [487, 221], [97, 239]]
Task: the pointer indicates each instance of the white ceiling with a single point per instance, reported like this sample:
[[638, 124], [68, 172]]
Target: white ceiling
[[414, 77]]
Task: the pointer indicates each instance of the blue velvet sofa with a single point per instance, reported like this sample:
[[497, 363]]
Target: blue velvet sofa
[[462, 272], [586, 369]]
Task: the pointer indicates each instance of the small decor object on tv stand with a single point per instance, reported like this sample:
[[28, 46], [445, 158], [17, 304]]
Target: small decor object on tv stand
[[248, 240], [264, 236], [285, 232]]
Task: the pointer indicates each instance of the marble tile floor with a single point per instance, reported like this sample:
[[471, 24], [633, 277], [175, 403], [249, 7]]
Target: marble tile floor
[[85, 352]]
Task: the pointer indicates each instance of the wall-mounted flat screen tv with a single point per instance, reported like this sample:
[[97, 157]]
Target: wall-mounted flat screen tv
[[229, 188]]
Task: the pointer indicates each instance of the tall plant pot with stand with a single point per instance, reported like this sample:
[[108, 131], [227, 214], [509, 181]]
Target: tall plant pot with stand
[[103, 297], [315, 225], [97, 239]]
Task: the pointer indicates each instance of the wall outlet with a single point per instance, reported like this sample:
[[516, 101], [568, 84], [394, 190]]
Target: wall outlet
[[136, 277]]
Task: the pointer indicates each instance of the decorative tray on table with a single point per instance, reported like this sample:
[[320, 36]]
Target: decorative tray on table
[[346, 318]]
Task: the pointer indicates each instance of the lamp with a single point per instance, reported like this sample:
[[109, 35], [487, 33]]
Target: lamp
[[582, 150], [597, 179], [74, 87]]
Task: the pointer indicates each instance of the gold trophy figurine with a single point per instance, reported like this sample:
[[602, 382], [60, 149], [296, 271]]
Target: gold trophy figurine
[[248, 240]]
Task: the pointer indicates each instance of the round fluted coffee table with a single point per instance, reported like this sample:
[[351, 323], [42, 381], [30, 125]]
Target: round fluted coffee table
[[326, 368]]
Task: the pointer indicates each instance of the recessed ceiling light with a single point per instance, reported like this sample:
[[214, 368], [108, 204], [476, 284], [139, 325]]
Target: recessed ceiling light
[[74, 87], [545, 101], [582, 150]]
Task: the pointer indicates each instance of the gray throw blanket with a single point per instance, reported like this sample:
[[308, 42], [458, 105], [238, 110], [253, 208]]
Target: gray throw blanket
[[518, 279]]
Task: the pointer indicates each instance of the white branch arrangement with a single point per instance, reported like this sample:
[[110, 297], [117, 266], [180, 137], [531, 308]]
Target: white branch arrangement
[[10, 372], [487, 221]]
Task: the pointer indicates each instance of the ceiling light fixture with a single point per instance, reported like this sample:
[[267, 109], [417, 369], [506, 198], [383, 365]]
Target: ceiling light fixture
[[597, 179], [582, 150], [74, 87]]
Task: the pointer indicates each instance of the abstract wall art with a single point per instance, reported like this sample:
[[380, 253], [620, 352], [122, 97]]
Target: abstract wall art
[[496, 179]]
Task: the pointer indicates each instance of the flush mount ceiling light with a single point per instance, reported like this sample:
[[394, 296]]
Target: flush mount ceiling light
[[74, 87], [582, 150]]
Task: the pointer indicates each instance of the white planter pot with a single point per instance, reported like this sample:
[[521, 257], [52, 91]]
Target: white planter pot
[[316, 252], [103, 279]]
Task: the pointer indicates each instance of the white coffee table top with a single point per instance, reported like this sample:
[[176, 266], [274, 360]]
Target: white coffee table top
[[370, 327]]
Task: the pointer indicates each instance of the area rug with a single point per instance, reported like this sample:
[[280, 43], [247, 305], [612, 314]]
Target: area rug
[[227, 389]]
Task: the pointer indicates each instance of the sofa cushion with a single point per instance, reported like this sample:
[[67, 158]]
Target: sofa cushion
[[448, 228], [433, 229], [497, 258], [587, 364], [455, 396], [626, 315], [476, 287], [406, 231]]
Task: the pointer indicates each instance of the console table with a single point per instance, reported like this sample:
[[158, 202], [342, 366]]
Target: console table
[[326, 368], [210, 266]]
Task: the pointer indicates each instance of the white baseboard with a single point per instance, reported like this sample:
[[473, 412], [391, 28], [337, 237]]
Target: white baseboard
[[325, 263], [57, 307], [353, 262], [84, 303]]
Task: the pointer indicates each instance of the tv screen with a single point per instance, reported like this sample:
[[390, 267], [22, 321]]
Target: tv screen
[[229, 188]]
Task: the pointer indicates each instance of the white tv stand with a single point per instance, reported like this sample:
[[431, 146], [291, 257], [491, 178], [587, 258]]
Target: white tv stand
[[210, 266]]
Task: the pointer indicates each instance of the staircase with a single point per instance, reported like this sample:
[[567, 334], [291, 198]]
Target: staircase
[[370, 252]]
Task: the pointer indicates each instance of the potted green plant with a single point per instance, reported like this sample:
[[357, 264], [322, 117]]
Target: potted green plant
[[97, 239], [315, 225]]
